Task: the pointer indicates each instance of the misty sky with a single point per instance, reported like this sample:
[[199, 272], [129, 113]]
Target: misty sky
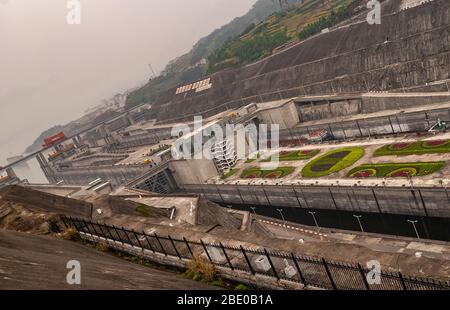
[[50, 72]]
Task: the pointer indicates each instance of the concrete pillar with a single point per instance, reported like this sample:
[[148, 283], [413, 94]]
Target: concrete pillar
[[75, 141], [10, 172], [48, 171], [130, 118]]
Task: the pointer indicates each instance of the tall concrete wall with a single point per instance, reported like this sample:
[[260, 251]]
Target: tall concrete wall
[[409, 48], [285, 116], [432, 202], [394, 123], [374, 103], [328, 109], [45, 202], [192, 171]]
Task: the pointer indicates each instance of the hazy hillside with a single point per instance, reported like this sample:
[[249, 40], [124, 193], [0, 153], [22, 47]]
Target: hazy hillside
[[265, 29], [192, 66], [281, 29]]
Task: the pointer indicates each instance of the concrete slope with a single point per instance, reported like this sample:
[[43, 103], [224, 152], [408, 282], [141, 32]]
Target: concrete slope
[[35, 262]]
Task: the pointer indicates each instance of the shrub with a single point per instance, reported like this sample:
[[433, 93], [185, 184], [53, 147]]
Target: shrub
[[102, 247], [201, 269], [70, 234]]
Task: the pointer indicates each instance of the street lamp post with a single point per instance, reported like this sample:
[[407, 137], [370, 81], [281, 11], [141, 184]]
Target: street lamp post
[[358, 217], [313, 214], [282, 216], [415, 228]]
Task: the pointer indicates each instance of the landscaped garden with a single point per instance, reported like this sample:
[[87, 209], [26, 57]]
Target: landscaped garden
[[253, 158], [257, 173], [294, 155], [230, 173], [333, 162], [396, 170], [414, 148]]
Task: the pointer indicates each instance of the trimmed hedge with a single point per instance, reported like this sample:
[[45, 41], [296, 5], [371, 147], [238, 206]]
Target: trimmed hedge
[[256, 173], [396, 169], [231, 173], [414, 148], [294, 155], [333, 162]]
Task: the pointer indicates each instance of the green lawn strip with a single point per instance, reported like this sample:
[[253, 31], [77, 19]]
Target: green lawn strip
[[258, 173], [336, 164], [231, 173], [416, 148], [383, 170], [294, 155], [250, 159]]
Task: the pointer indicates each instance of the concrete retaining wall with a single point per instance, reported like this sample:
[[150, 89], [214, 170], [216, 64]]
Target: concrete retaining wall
[[45, 202], [434, 202]]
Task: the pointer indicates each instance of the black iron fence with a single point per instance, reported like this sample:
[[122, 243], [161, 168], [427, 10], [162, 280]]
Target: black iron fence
[[308, 271]]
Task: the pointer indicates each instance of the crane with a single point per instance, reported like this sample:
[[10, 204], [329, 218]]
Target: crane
[[153, 72]]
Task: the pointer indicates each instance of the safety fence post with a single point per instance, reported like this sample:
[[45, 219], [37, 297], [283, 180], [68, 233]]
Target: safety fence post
[[137, 238], [247, 260], [271, 264], [226, 256], [128, 237], [148, 242], [188, 246], [160, 244], [173, 244], [329, 274], [206, 250], [363, 275], [302, 278], [118, 235]]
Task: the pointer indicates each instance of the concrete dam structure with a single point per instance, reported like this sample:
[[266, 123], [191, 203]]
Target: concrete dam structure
[[409, 50]]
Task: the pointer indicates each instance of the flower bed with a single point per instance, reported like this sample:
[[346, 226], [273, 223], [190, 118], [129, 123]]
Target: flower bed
[[294, 155], [333, 162], [397, 170], [255, 173], [414, 148]]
